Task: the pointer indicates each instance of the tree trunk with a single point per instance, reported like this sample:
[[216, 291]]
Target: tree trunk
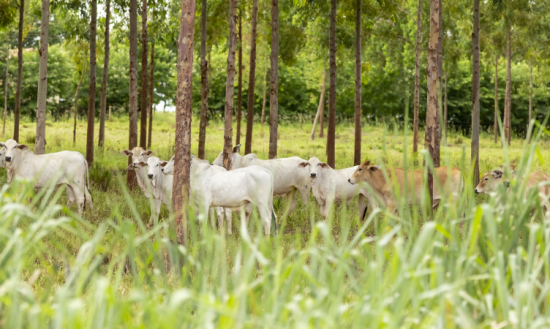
[[357, 155], [204, 84], [110, 112], [321, 107], [40, 143], [251, 79], [240, 88], [151, 95], [530, 98], [91, 92], [417, 77], [431, 140], [445, 110], [6, 86], [331, 133], [265, 89], [133, 102], [230, 86], [508, 97], [495, 123], [182, 156], [103, 100], [475, 92], [322, 113], [440, 70], [19, 72], [274, 83], [144, 89], [76, 103]]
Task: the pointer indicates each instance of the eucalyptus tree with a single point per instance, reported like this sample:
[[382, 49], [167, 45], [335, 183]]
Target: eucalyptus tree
[[144, 78], [40, 142], [17, 109], [475, 91], [417, 76], [274, 80], [230, 85], [133, 102], [239, 75], [103, 99], [204, 83], [331, 131], [252, 79]]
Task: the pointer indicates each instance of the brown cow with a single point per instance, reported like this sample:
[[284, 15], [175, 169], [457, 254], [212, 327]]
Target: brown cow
[[374, 176]]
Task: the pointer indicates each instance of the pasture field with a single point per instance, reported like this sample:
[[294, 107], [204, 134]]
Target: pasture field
[[476, 262]]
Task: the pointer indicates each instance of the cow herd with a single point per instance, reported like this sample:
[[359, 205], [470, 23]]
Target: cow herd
[[253, 182]]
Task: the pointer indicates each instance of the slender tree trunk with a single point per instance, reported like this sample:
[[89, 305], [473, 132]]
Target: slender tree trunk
[[110, 112], [495, 123], [417, 77], [440, 72], [204, 84], [40, 143], [331, 133], [265, 89], [240, 88], [19, 72], [151, 95], [475, 92], [104, 80], [92, 88], [357, 155], [76, 104], [508, 97], [322, 113], [182, 157], [530, 99], [133, 102], [321, 107], [251, 79], [274, 84], [144, 89], [230, 85], [6, 86], [431, 140], [445, 110]]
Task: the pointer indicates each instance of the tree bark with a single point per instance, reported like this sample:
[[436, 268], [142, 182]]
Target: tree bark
[[6, 86], [530, 98], [251, 79], [19, 72], [144, 89], [103, 100], [76, 103], [274, 83], [495, 123], [204, 84], [357, 154], [92, 88], [182, 156], [321, 105], [475, 92], [133, 102], [431, 140], [417, 77], [151, 95], [265, 89], [331, 132], [230, 85], [445, 110], [508, 97], [40, 143], [240, 88], [322, 113]]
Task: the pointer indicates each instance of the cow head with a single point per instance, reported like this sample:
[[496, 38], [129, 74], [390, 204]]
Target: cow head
[[168, 167], [236, 158], [490, 181], [138, 155], [12, 150], [316, 167], [2, 157], [364, 173]]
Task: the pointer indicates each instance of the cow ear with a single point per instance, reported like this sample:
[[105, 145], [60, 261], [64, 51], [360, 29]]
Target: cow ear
[[142, 164], [22, 147], [126, 152], [2, 145], [303, 164], [374, 168], [237, 148], [149, 153], [323, 165], [163, 164], [130, 167], [366, 163], [497, 173]]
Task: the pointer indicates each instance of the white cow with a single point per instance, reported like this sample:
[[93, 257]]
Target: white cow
[[139, 155], [233, 189], [66, 167], [288, 176], [168, 169], [161, 184], [330, 185]]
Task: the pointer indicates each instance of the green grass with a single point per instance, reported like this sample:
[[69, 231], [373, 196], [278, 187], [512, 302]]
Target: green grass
[[472, 264]]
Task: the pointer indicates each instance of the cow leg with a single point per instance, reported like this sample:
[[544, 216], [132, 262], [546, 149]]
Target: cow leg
[[155, 209], [325, 208], [228, 215], [265, 215], [362, 207], [78, 197], [291, 197], [219, 214], [70, 196], [248, 212]]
